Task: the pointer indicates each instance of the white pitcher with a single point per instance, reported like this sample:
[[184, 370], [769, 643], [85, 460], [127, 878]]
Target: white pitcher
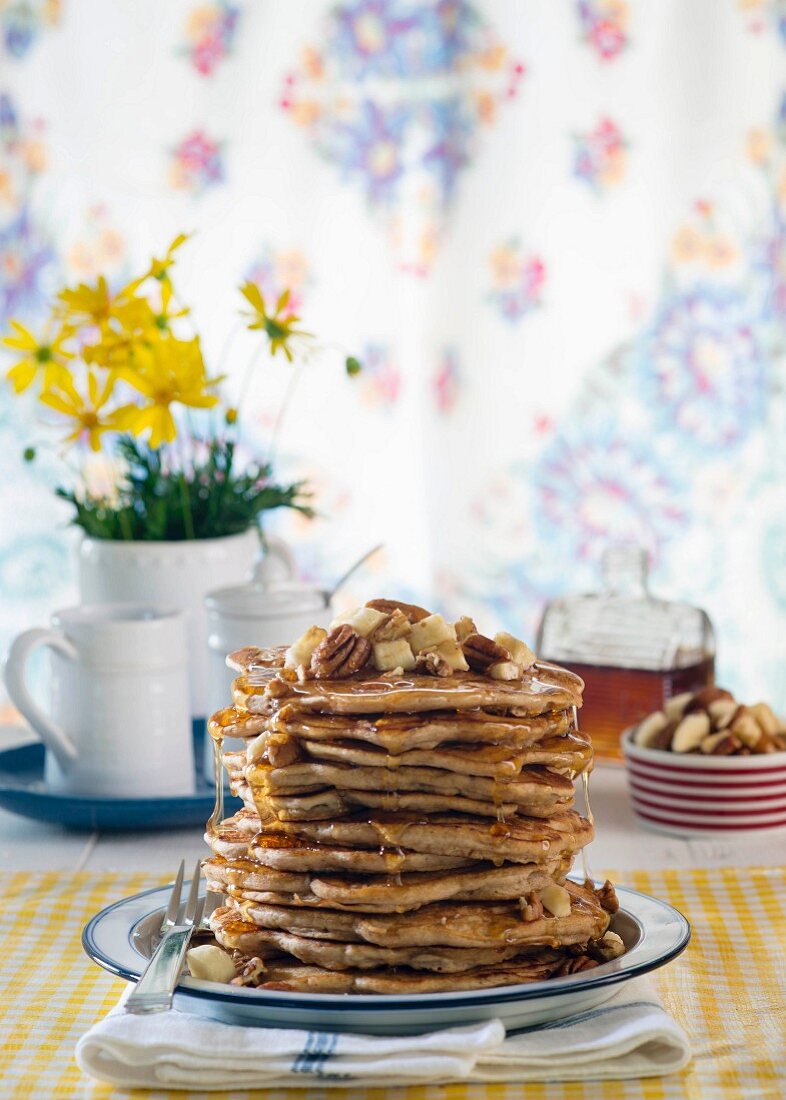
[[119, 723]]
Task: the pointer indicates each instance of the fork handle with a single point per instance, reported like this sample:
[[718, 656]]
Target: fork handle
[[156, 987]]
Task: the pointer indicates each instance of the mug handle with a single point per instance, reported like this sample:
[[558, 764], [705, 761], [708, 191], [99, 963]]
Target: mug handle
[[53, 736], [276, 559]]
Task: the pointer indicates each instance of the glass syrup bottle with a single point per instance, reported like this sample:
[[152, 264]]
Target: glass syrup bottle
[[633, 651]]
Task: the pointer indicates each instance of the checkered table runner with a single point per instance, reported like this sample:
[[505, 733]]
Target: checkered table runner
[[728, 990]]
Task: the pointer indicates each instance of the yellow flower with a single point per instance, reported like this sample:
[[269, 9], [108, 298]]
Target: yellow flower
[[163, 317], [280, 328], [87, 305], [159, 269], [166, 372], [45, 358], [131, 321], [84, 412]]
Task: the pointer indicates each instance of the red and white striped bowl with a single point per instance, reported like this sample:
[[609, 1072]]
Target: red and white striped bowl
[[701, 795]]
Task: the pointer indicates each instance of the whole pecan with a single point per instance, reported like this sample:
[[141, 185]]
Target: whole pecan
[[341, 654], [575, 966], [482, 652], [607, 896], [432, 664], [411, 610], [531, 907]]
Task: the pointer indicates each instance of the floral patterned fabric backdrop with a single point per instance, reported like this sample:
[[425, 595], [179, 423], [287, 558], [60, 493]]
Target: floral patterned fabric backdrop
[[554, 230]]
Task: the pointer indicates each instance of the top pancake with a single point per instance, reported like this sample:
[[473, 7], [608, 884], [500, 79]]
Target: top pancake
[[260, 689]]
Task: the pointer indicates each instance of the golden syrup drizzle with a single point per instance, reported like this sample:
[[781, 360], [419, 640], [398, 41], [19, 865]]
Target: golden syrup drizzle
[[587, 805], [217, 816]]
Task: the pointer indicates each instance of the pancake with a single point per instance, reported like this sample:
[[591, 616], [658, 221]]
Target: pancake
[[233, 835], [541, 690], [331, 804], [315, 979], [397, 733], [569, 752], [520, 840], [291, 853], [364, 956], [244, 878], [534, 790], [448, 924]]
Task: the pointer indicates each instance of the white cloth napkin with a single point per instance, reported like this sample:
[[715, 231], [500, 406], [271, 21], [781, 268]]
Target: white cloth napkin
[[628, 1036]]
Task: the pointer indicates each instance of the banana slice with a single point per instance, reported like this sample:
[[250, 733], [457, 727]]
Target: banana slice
[[299, 653], [395, 654], [519, 651], [431, 632], [363, 620]]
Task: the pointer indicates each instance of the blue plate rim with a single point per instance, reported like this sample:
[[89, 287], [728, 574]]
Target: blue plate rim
[[349, 1002]]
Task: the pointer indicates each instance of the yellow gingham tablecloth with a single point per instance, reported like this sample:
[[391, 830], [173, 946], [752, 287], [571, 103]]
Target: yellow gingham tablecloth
[[728, 990]]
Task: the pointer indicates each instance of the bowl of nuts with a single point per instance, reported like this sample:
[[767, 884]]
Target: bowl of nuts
[[707, 764]]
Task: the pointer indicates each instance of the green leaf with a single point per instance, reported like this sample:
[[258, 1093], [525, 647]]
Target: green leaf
[[160, 500], [352, 366]]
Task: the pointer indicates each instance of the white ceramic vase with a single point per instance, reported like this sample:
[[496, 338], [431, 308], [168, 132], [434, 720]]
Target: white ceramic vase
[[173, 574]]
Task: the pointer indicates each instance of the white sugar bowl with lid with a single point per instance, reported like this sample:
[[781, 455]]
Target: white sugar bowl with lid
[[256, 614]]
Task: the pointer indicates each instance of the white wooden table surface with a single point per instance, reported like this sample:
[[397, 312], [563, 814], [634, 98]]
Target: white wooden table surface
[[620, 843]]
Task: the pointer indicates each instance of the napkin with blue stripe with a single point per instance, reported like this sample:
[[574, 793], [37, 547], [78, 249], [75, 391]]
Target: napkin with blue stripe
[[630, 1035]]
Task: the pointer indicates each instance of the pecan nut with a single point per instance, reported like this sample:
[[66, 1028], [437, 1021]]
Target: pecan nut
[[341, 654], [412, 612], [482, 652], [607, 896], [575, 966], [464, 627], [608, 947], [531, 907], [250, 971], [432, 664], [395, 626]]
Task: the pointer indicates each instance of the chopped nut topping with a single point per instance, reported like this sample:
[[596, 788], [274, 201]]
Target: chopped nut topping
[[249, 973], [433, 664], [531, 907], [278, 688], [482, 652], [341, 654], [395, 626]]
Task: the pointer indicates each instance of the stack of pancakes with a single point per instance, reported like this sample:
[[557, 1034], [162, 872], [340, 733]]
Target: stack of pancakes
[[405, 828]]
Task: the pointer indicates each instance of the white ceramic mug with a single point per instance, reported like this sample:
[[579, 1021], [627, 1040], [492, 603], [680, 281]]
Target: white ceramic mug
[[177, 574], [119, 722]]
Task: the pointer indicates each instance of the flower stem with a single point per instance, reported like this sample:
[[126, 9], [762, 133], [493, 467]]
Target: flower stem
[[188, 519], [288, 396], [125, 525]]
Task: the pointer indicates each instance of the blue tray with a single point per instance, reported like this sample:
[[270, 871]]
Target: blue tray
[[22, 791]]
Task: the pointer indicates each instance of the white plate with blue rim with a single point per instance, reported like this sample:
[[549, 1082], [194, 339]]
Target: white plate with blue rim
[[121, 938]]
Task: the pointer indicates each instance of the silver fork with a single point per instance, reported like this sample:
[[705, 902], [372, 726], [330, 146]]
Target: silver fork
[[155, 989]]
